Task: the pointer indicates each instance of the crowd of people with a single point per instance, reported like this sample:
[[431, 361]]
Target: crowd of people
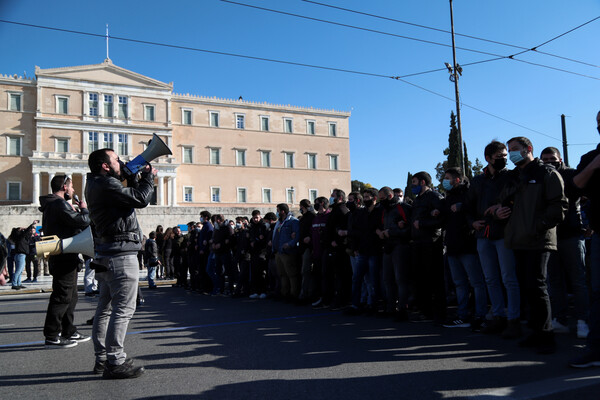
[[509, 246]]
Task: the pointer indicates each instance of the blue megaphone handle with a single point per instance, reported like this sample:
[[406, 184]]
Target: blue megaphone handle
[[136, 165]]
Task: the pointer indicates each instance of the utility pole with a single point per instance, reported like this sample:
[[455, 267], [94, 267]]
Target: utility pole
[[455, 71], [564, 139]]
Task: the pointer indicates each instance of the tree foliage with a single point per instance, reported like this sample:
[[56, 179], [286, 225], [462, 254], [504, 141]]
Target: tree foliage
[[357, 185]]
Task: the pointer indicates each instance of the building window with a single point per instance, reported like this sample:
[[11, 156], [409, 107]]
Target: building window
[[123, 148], [312, 161], [288, 125], [310, 127], [266, 195], [265, 158], [240, 158], [240, 121], [123, 106], [188, 194], [332, 129], [312, 195], [215, 156], [13, 190], [62, 105], [14, 101], [186, 117], [289, 159], [92, 142], [188, 155], [214, 118], [108, 141], [289, 195], [333, 162], [14, 145], [93, 104], [241, 195], [108, 105], [264, 123], [215, 194], [62, 145], [148, 112]]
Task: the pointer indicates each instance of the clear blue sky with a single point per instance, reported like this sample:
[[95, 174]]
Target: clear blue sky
[[395, 128]]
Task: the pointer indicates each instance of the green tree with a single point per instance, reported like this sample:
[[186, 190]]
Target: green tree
[[453, 144], [357, 185], [478, 167], [408, 189]]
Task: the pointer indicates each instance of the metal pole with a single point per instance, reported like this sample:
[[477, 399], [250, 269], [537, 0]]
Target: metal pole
[[564, 140], [456, 94]]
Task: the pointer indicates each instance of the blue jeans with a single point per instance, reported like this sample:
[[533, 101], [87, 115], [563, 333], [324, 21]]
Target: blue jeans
[[374, 278], [19, 267], [116, 305], [568, 262], [465, 269], [593, 339], [498, 262], [151, 276], [360, 272], [215, 276]]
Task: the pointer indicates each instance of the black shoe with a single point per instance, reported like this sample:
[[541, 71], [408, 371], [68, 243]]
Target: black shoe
[[90, 321], [59, 343], [123, 371], [589, 359], [352, 310], [78, 337], [497, 325], [16, 288], [22, 287], [99, 366], [476, 324]]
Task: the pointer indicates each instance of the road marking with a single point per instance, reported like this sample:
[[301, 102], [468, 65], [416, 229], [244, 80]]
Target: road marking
[[183, 328], [5, 325]]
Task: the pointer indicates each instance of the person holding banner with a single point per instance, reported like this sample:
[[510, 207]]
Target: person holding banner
[[62, 219]]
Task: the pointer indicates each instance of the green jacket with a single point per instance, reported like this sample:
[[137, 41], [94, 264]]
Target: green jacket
[[539, 204]]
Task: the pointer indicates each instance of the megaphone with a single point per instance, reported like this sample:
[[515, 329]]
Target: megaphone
[[155, 149], [82, 243]]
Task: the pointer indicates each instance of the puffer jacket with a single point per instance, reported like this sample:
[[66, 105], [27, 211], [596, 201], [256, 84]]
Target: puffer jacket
[[60, 219], [112, 211], [430, 228], [539, 206]]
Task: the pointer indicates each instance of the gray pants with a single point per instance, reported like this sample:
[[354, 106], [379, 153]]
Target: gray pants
[[118, 291]]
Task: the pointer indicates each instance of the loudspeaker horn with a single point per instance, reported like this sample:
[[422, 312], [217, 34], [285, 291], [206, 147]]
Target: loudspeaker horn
[[156, 148], [82, 243]]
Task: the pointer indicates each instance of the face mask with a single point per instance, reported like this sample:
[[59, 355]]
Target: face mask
[[331, 200], [499, 164], [351, 205], [369, 203], [555, 164], [515, 157], [267, 225], [317, 207], [446, 184], [238, 225], [217, 226], [416, 190], [384, 202]]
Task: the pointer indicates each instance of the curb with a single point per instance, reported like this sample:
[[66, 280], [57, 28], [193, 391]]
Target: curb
[[79, 288]]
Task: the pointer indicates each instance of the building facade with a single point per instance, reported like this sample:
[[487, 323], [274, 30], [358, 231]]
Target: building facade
[[226, 153]]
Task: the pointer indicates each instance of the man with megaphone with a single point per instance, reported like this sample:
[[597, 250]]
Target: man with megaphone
[[63, 220], [117, 240]]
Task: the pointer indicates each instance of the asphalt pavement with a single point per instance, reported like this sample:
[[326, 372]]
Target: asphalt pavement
[[212, 347]]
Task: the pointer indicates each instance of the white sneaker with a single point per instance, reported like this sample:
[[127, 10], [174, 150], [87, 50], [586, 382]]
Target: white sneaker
[[254, 296], [582, 329], [262, 296], [558, 327]]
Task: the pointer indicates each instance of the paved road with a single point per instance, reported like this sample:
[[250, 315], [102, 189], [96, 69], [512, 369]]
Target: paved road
[[201, 347]]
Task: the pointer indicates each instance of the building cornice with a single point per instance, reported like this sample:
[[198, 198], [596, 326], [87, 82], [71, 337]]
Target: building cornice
[[101, 126]]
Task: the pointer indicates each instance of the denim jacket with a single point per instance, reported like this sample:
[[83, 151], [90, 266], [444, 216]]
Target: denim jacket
[[286, 231]]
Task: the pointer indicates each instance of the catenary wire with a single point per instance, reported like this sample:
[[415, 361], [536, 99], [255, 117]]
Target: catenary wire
[[397, 78]]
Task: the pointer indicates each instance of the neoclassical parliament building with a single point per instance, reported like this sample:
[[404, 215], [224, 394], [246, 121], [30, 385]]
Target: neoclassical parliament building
[[226, 153]]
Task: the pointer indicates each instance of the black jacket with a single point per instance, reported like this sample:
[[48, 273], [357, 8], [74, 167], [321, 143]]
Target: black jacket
[[460, 235], [112, 211], [20, 237], [305, 225], [430, 228], [591, 189], [393, 213], [337, 220], [60, 219], [572, 226]]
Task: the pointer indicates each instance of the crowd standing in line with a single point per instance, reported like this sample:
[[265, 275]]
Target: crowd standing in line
[[509, 244]]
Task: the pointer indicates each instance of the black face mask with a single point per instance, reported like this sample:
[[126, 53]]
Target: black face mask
[[555, 164], [369, 203], [351, 205], [499, 164], [385, 202], [317, 207]]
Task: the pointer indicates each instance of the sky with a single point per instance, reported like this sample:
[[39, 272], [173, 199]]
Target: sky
[[396, 126]]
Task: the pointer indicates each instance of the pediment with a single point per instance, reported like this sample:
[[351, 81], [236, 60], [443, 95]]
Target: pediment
[[106, 72]]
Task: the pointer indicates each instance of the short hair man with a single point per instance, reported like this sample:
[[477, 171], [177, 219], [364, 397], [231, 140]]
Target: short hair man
[[285, 245], [61, 219], [539, 205], [569, 260], [117, 240], [305, 250]]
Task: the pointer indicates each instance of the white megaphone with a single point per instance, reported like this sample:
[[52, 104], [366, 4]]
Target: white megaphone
[[155, 149], [82, 243]]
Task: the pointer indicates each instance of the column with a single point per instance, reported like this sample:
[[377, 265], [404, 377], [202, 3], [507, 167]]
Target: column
[[36, 189], [50, 176], [173, 190], [83, 182], [160, 191]]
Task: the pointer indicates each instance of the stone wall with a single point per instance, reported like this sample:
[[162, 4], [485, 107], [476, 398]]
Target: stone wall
[[149, 217]]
